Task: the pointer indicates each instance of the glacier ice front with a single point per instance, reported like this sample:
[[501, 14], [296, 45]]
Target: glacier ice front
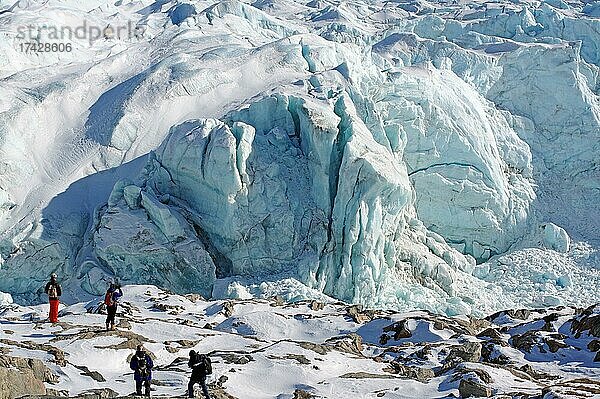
[[288, 185], [396, 155]]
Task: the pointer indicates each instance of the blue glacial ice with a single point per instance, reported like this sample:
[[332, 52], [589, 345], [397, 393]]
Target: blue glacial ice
[[397, 155]]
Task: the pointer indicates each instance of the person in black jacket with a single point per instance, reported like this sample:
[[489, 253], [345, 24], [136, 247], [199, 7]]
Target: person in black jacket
[[200, 365], [141, 363], [54, 292]]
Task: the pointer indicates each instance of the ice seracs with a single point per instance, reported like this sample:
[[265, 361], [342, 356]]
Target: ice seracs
[[470, 171], [556, 237], [5, 299], [392, 155]]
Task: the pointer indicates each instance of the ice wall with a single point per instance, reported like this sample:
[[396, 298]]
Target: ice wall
[[373, 152], [292, 185]]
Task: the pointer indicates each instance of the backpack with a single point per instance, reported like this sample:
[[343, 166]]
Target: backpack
[[142, 366], [52, 291], [108, 298], [206, 363]]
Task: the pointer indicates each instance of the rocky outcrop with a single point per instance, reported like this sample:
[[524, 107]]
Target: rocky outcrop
[[588, 322], [421, 374], [469, 389], [398, 331], [19, 377], [467, 352]]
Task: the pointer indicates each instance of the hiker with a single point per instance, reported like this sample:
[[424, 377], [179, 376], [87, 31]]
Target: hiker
[[54, 292], [201, 367], [141, 364], [111, 300]]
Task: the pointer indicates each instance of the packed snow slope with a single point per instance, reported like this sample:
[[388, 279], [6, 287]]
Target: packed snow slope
[[404, 154]]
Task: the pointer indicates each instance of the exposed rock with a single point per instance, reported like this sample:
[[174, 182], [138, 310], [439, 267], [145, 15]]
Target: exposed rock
[[420, 374], [589, 323], [227, 308], [399, 329], [526, 341], [554, 345], [548, 322], [301, 394], [59, 356], [359, 316], [534, 374], [470, 388], [39, 369], [98, 393], [467, 352], [195, 297], [364, 375], [96, 376], [57, 393], [584, 387], [490, 333], [277, 300], [217, 391], [424, 352], [316, 306], [19, 377], [173, 309], [318, 348], [594, 345], [473, 326], [299, 358], [516, 314], [182, 343], [124, 324], [132, 340], [232, 358], [418, 361], [544, 342], [490, 354], [351, 343], [462, 373]]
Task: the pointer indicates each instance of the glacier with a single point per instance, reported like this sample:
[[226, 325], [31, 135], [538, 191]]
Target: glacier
[[431, 155]]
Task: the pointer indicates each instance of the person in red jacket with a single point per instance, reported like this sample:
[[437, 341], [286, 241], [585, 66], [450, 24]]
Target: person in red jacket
[[54, 292]]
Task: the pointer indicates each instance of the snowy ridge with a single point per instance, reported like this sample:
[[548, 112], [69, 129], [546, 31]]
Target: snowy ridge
[[399, 155]]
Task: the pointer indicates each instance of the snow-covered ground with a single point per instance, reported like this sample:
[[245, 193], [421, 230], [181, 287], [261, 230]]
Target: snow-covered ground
[[406, 155], [270, 349]]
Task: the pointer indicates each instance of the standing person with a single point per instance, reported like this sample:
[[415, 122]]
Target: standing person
[[141, 364], [54, 292], [111, 300], [201, 367]]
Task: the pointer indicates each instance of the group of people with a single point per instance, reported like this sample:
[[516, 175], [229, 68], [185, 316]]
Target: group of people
[[111, 300], [141, 363]]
